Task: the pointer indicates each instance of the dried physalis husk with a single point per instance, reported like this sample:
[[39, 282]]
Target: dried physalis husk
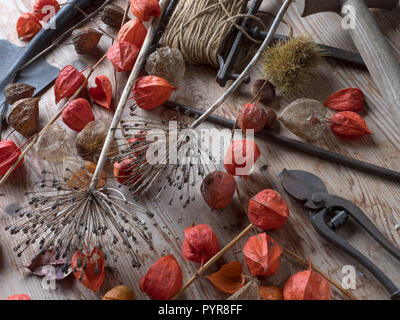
[[166, 63], [112, 15], [120, 293], [55, 144], [79, 173], [305, 118], [85, 40], [18, 91], [90, 140], [23, 116], [250, 291]]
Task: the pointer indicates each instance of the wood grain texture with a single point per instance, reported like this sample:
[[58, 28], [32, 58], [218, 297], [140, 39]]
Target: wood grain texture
[[377, 197]]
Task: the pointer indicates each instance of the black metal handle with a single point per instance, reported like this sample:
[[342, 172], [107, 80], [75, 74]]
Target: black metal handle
[[335, 202], [299, 146], [319, 224]]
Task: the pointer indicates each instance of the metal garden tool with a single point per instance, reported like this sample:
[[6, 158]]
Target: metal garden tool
[[329, 212], [15, 61], [369, 40]]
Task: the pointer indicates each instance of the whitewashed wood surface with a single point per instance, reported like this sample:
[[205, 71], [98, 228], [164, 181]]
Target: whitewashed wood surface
[[377, 197]]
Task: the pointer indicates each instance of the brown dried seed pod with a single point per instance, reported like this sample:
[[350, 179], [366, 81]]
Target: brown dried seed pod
[[18, 91], [23, 116], [85, 40], [264, 90], [112, 15], [90, 140], [271, 119], [167, 63]]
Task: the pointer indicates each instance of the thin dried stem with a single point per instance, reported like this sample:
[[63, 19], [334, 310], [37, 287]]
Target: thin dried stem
[[316, 269], [210, 262], [141, 59]]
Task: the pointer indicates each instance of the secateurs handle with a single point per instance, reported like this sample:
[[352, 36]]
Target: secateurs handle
[[318, 221], [335, 202]]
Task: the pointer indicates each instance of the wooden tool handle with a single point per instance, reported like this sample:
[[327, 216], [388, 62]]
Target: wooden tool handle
[[377, 54]]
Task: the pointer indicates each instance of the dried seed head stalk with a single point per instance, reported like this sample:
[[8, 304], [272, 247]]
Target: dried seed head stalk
[[65, 214], [181, 162], [289, 65]]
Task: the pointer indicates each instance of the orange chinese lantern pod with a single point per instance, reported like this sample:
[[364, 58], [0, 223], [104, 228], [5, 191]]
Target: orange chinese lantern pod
[[133, 32], [89, 269], [27, 26], [125, 170], [349, 125], [19, 297], [78, 114], [271, 293], [252, 116], [145, 9], [229, 278], [200, 243], [307, 285], [9, 153], [42, 8], [218, 189], [149, 92], [268, 210], [102, 93], [68, 82], [240, 157], [123, 55], [163, 279], [261, 254], [349, 99], [139, 140]]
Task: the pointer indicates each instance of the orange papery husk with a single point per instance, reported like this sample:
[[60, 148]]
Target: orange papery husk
[[91, 274], [261, 254], [349, 99], [218, 189], [133, 32], [271, 293], [102, 93], [125, 170], [229, 278], [123, 55], [268, 210], [40, 4], [78, 114], [145, 9], [163, 279], [307, 285], [149, 92], [9, 153], [27, 26], [200, 243], [68, 82], [252, 116], [349, 125], [241, 154], [19, 297]]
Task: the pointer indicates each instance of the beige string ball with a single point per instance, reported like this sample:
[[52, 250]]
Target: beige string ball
[[166, 63]]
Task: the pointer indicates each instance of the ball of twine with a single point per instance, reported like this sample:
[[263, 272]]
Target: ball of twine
[[198, 27]]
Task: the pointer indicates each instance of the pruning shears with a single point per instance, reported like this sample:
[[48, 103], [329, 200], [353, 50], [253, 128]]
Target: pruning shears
[[329, 212]]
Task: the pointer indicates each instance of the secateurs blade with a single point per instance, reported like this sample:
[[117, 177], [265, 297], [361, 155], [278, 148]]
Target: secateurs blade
[[329, 212]]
